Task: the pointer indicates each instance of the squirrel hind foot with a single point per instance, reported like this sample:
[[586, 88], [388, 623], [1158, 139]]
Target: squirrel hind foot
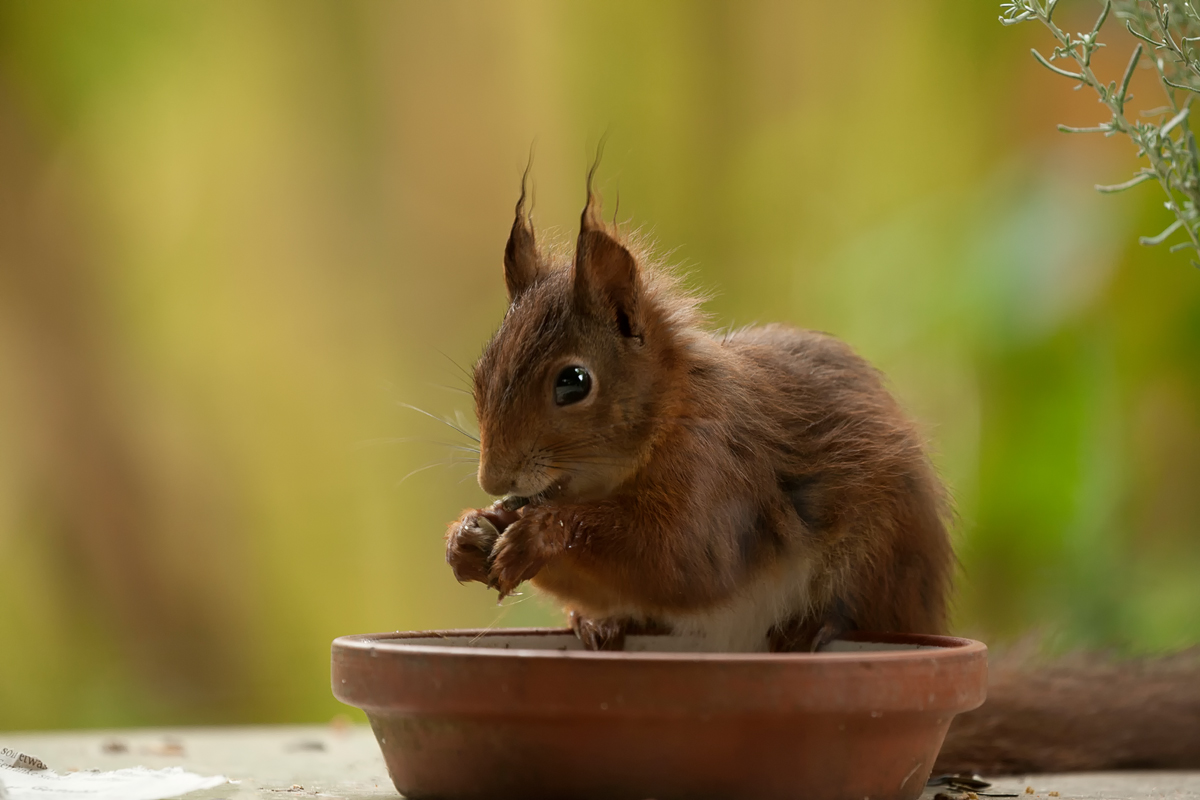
[[809, 634], [609, 633], [599, 634]]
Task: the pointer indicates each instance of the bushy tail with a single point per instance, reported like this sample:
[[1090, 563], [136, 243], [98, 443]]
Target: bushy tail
[[1083, 713]]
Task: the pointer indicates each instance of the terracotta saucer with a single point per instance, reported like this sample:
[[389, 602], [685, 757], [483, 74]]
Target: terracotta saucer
[[526, 713]]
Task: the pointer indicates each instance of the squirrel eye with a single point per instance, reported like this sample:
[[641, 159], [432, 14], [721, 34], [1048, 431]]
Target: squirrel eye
[[571, 385]]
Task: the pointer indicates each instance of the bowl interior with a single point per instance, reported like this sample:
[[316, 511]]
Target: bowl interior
[[564, 641]]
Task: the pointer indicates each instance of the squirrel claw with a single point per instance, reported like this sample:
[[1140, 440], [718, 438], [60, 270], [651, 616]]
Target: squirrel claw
[[512, 503], [837, 621]]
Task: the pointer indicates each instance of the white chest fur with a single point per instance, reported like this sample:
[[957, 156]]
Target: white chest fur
[[741, 624]]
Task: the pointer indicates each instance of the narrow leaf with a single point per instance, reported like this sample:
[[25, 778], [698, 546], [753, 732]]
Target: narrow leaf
[[1175, 248], [1129, 184], [1052, 68], [1069, 129], [1103, 16], [1133, 62], [1169, 82], [1006, 21], [1175, 120], [1150, 241], [1144, 38]]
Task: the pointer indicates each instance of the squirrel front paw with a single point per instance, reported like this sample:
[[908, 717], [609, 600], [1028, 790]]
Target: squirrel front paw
[[522, 550], [471, 540]]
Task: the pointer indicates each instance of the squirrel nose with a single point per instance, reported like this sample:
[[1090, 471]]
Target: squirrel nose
[[492, 480]]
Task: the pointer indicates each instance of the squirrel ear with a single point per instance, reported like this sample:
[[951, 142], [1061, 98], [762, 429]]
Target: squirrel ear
[[520, 254], [606, 274]]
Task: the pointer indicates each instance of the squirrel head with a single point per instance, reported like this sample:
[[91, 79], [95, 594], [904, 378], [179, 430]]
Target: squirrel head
[[571, 389]]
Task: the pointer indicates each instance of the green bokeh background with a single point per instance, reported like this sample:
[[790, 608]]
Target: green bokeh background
[[236, 236]]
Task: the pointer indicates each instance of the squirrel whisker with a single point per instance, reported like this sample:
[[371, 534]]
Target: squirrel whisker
[[447, 423]]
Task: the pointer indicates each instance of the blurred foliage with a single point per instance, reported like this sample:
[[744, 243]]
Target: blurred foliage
[[236, 236], [1170, 27]]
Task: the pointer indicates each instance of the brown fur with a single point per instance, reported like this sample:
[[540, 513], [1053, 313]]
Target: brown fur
[[699, 464]]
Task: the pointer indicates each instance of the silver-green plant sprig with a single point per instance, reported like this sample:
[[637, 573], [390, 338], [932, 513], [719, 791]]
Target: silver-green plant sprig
[[1170, 28]]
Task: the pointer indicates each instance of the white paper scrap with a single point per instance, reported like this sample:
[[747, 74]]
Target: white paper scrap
[[11, 758], [135, 783]]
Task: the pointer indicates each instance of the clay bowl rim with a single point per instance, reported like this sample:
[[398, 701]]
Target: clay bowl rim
[[928, 646], [383, 675]]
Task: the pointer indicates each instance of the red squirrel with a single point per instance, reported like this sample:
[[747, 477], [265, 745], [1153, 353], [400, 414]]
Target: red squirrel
[[756, 490]]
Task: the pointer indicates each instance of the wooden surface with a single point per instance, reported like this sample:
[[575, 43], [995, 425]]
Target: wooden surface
[[344, 762]]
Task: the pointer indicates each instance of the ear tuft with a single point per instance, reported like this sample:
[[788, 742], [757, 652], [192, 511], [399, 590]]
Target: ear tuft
[[591, 219], [607, 279], [520, 254]]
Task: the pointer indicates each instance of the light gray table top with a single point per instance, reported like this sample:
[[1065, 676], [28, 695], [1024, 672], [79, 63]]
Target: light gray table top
[[270, 762], [344, 762]]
